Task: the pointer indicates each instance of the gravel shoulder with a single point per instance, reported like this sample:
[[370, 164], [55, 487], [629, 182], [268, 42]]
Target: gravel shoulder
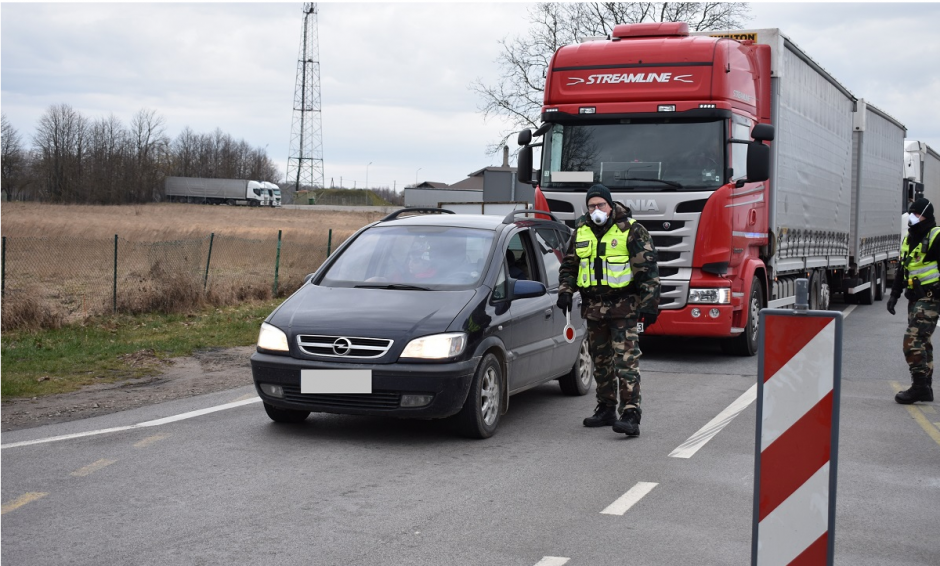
[[206, 371]]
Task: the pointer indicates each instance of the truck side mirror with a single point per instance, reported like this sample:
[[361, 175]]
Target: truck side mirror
[[524, 165], [763, 132], [758, 162], [525, 137]]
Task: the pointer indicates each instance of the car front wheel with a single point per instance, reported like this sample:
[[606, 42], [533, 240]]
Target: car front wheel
[[481, 411], [578, 380]]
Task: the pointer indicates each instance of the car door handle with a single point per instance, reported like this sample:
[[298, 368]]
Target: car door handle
[[548, 313]]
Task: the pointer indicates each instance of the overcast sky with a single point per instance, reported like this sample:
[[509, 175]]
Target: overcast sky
[[394, 76]]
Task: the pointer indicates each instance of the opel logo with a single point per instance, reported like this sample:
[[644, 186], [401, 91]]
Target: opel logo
[[342, 346], [667, 225]]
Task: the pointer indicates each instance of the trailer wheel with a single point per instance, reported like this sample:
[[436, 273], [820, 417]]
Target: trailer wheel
[[880, 277], [746, 343]]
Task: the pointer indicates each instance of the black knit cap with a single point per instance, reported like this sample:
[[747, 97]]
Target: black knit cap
[[599, 190], [921, 206]]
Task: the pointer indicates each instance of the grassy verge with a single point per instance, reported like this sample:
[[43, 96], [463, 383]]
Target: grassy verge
[[119, 347]]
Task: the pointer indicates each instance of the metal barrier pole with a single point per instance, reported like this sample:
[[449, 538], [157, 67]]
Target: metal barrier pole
[[3, 270], [329, 243], [277, 261], [114, 293], [205, 279]]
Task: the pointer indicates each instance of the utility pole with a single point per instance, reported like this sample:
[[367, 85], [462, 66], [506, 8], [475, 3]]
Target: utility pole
[[305, 162]]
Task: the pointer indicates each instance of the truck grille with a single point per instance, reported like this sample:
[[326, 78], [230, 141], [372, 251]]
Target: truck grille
[[343, 346]]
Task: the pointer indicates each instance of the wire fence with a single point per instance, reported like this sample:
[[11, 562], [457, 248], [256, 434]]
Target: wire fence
[[50, 281]]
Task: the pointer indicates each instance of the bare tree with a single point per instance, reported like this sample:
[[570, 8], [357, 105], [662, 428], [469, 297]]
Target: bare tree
[[13, 164], [150, 145], [524, 61], [60, 140]]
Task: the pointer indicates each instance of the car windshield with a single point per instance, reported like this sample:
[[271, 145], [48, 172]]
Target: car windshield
[[640, 155], [412, 257]]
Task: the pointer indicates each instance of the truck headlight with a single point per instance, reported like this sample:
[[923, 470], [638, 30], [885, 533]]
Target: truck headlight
[[436, 347], [272, 338], [720, 296]]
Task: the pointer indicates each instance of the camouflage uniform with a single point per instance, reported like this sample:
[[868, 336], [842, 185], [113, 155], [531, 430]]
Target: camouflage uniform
[[922, 316], [612, 314]]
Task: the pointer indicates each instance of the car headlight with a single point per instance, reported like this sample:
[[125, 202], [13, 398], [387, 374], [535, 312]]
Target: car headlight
[[436, 347], [272, 338], [721, 296]]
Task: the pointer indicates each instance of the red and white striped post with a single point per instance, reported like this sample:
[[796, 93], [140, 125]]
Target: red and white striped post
[[800, 366]]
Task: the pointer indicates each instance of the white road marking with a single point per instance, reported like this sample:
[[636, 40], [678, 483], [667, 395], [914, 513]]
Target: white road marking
[[848, 310], [156, 422], [552, 561], [714, 426], [629, 499]]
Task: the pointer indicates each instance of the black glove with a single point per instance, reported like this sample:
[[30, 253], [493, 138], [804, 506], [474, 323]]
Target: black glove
[[648, 318], [892, 301], [564, 302]]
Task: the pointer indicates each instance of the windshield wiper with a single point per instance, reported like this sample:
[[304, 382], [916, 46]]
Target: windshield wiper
[[400, 286], [670, 183]]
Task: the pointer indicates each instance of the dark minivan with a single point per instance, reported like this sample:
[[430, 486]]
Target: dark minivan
[[426, 314]]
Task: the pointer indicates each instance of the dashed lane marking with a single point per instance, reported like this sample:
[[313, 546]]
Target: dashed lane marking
[[21, 500], [150, 440], [93, 467], [688, 448], [156, 422], [630, 498], [552, 561]]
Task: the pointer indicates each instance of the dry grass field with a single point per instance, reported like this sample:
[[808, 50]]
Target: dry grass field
[[59, 260]]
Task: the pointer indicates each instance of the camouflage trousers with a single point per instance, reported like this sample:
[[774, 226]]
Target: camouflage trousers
[[615, 350], [922, 316]]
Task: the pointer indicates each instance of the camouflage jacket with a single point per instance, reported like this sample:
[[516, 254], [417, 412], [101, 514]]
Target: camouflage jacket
[[601, 302]]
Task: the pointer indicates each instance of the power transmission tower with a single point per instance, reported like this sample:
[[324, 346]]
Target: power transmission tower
[[305, 162]]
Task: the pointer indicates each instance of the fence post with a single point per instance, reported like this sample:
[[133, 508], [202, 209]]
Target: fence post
[[205, 279], [329, 242], [3, 270], [114, 293], [277, 262]]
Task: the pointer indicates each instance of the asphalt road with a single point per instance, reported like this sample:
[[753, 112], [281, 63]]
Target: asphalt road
[[231, 487]]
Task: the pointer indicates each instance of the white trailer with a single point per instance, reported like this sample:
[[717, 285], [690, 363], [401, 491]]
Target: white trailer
[[215, 191], [874, 243], [922, 169]]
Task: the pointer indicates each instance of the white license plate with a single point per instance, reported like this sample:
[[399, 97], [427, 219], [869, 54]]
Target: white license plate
[[336, 381], [639, 328]]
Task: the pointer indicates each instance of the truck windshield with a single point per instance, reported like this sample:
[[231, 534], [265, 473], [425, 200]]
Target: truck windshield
[[639, 155]]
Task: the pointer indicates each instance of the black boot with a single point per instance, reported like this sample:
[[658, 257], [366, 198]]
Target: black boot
[[604, 415], [629, 423], [920, 390]]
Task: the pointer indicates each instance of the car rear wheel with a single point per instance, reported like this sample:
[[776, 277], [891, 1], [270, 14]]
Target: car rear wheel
[[279, 415], [578, 380], [481, 411]]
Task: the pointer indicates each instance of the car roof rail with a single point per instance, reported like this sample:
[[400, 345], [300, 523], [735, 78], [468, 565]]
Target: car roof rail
[[511, 217], [417, 209]]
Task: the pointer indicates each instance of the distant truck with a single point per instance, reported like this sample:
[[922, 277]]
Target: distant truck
[[199, 190], [749, 164], [921, 171], [274, 194]]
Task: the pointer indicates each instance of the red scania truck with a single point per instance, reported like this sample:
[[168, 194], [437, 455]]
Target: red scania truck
[[749, 164]]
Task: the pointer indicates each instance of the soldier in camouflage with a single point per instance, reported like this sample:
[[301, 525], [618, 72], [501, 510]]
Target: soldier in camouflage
[[612, 261], [919, 278]]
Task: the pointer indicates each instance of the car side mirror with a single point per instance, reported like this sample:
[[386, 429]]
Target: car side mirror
[[308, 277], [525, 289], [524, 165]]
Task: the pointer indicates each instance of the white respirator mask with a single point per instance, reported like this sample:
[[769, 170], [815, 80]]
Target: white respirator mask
[[599, 217], [912, 220]]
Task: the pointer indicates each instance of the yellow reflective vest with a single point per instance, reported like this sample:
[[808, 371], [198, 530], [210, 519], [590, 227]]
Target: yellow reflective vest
[[926, 272], [605, 262]]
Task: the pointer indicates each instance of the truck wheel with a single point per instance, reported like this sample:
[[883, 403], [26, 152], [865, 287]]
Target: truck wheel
[[746, 343], [880, 281], [578, 380], [481, 411], [279, 415]]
